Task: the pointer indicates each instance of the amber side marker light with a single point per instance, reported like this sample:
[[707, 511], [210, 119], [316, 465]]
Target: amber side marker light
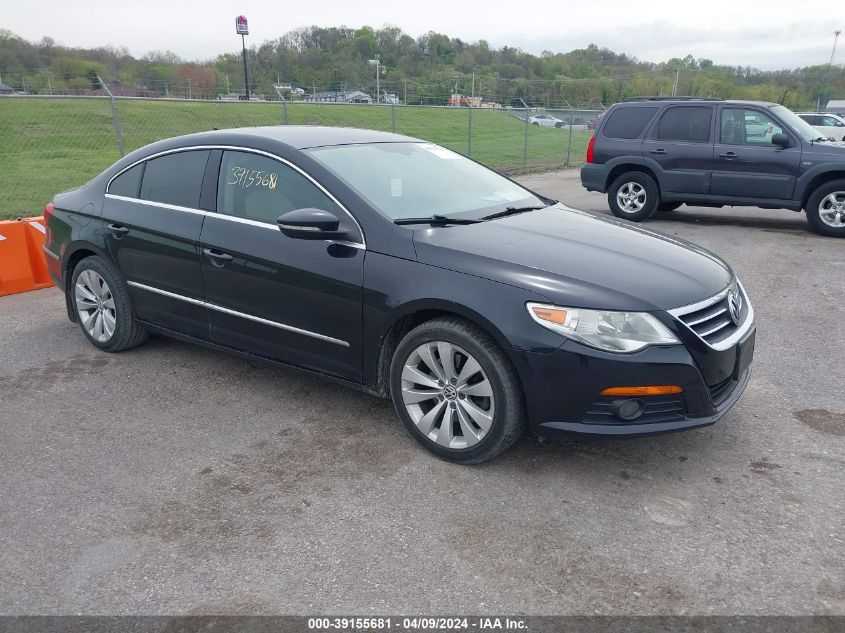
[[656, 390]]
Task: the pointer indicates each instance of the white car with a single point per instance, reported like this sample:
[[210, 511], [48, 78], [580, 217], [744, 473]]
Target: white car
[[545, 120], [830, 126]]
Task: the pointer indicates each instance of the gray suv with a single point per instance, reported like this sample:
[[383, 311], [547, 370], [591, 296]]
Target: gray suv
[[655, 154]]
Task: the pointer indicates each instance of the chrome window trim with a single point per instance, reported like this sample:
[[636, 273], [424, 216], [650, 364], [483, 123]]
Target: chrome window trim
[[153, 203], [243, 315], [741, 330], [235, 148]]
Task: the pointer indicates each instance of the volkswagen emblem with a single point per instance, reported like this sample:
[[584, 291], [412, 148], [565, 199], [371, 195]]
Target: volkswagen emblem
[[733, 307]]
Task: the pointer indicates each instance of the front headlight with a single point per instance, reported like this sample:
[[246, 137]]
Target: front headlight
[[606, 330]]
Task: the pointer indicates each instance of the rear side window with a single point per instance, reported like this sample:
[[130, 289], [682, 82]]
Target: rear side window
[[128, 183], [175, 178], [686, 123], [260, 188], [811, 119], [627, 122]]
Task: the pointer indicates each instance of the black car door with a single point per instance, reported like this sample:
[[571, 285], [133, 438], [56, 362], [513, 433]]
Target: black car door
[[297, 301], [153, 220], [681, 143], [746, 164]]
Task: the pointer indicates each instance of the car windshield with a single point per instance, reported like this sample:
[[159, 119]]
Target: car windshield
[[801, 127], [410, 180]]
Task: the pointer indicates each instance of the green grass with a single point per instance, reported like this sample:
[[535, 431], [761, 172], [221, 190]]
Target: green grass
[[49, 145]]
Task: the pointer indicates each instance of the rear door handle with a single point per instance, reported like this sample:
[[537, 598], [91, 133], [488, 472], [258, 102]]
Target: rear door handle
[[727, 155], [217, 258], [117, 230], [658, 151]]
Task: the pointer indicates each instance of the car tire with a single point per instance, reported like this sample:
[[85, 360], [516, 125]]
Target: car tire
[[638, 192], [100, 300], [536, 123], [823, 214], [476, 392], [558, 124], [668, 206]]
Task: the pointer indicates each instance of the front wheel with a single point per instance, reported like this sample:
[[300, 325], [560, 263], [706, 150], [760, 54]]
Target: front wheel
[[102, 306], [826, 209], [633, 196], [456, 392]]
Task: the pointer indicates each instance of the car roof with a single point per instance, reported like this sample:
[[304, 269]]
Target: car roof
[[307, 136]]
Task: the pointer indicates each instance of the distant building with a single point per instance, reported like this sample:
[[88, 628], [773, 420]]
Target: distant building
[[6, 90], [836, 106], [339, 96]]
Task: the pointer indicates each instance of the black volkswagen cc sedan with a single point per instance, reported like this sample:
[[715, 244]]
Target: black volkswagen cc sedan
[[482, 309]]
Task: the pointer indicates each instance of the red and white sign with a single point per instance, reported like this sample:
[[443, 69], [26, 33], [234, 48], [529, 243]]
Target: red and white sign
[[241, 26]]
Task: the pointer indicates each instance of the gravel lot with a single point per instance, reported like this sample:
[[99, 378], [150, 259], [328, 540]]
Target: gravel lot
[[173, 479]]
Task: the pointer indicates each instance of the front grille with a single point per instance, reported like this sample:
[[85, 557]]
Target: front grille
[[721, 391], [655, 409], [711, 319]]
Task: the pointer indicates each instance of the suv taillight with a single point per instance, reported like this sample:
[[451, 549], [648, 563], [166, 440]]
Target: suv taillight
[[48, 212], [591, 146]]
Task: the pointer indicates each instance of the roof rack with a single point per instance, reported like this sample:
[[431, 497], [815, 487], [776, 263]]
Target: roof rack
[[671, 99]]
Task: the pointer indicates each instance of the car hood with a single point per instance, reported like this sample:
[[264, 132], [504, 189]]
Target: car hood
[[577, 259]]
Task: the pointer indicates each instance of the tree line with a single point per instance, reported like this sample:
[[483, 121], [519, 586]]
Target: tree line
[[425, 70]]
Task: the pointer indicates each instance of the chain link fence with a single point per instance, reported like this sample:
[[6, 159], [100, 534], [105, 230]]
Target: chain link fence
[[49, 144]]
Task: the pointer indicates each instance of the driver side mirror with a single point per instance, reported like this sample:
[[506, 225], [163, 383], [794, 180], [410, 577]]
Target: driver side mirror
[[780, 139], [311, 224]]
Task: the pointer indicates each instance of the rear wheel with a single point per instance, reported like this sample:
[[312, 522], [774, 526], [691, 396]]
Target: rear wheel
[[633, 196], [102, 306], [456, 391], [826, 209]]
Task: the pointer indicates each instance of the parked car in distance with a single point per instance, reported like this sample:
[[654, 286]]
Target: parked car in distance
[[831, 126], [655, 154], [545, 120], [329, 250]]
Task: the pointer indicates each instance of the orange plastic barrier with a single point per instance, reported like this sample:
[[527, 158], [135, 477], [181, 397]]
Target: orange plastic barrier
[[22, 263]]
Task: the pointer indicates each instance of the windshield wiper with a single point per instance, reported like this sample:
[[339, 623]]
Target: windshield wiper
[[436, 220], [511, 211]]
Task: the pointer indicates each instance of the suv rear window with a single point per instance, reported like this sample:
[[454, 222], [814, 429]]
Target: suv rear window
[[627, 122]]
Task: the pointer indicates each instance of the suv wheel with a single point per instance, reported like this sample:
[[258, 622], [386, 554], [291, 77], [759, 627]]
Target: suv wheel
[[456, 391], [826, 209], [633, 196], [102, 306]]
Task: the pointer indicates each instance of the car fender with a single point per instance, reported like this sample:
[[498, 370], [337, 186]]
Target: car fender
[[621, 161], [807, 181]]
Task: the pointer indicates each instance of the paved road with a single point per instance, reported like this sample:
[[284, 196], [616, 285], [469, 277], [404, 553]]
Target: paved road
[[174, 479]]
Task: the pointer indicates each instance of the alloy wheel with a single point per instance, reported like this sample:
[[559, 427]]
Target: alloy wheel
[[448, 395], [631, 197], [95, 305], [832, 209]]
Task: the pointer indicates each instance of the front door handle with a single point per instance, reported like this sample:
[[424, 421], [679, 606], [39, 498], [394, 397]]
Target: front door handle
[[658, 151], [727, 155], [117, 230], [217, 258]]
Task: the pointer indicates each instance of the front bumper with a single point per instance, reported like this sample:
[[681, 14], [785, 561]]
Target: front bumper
[[563, 388]]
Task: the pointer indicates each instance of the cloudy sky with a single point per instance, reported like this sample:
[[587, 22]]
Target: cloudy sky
[[768, 34]]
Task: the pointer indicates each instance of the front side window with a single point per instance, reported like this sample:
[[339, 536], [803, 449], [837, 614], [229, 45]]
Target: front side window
[[257, 187], [128, 184], [686, 123], [175, 178], [740, 126], [409, 180], [829, 121], [628, 123]]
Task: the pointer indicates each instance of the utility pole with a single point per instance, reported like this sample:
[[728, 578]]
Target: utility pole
[[242, 29], [675, 85], [833, 52], [406, 91], [375, 62]]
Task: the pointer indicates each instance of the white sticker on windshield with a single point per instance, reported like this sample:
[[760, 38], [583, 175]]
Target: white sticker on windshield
[[440, 152], [395, 187]]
